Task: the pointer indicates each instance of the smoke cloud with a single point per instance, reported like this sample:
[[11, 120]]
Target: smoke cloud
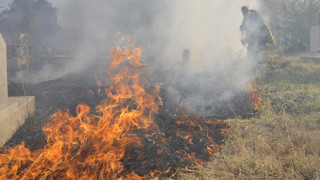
[[217, 70]]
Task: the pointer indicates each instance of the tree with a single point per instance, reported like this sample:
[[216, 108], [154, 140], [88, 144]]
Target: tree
[[291, 21], [17, 19]]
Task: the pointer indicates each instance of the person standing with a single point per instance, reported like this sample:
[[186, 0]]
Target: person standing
[[257, 33]]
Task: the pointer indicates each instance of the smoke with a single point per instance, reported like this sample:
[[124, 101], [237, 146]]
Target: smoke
[[217, 70]]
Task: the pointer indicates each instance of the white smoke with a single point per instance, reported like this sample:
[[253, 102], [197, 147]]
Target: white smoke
[[217, 70]]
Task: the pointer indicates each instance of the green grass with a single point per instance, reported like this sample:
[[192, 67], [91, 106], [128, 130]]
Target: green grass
[[283, 142], [292, 70]]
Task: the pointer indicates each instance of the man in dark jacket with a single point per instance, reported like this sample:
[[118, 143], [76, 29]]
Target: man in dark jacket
[[255, 32]]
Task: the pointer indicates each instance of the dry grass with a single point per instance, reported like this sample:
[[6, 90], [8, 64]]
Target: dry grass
[[284, 141], [275, 147]]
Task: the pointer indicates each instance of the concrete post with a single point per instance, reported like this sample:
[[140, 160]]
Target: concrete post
[[186, 56], [3, 73], [315, 39]]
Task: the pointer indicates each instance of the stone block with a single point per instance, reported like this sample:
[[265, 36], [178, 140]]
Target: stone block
[[13, 115]]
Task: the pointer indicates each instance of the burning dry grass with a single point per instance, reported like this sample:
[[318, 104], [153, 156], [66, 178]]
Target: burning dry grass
[[284, 141], [92, 145], [256, 89], [271, 148], [122, 138]]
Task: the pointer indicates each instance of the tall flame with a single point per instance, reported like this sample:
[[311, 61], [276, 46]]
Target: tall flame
[[95, 144], [91, 145]]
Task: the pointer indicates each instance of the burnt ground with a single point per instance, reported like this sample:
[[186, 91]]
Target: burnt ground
[[63, 93], [163, 151]]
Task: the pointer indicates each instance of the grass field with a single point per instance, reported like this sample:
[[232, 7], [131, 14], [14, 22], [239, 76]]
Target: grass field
[[283, 140]]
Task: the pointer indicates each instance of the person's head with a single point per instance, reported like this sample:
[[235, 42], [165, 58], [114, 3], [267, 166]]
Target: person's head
[[245, 10]]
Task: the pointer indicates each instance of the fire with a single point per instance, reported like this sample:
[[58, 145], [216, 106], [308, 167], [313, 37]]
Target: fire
[[91, 145], [96, 143], [182, 109], [196, 129], [255, 94]]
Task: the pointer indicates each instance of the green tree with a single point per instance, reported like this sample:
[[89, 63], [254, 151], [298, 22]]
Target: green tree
[[291, 20]]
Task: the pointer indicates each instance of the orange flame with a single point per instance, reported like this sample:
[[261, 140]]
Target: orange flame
[[182, 110], [197, 128], [90, 92], [255, 94], [179, 108], [92, 145]]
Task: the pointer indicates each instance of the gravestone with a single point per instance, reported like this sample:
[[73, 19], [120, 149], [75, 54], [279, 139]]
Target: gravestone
[[186, 56], [13, 110], [315, 39]]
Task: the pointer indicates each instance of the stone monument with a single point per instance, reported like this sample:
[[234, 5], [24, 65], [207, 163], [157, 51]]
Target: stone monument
[[315, 39], [13, 110]]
